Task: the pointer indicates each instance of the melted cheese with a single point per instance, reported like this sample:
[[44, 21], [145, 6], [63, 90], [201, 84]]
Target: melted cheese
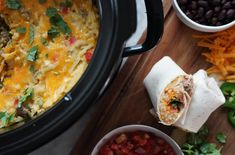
[[59, 64]]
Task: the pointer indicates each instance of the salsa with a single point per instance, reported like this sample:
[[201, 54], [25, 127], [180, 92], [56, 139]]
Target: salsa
[[136, 143]]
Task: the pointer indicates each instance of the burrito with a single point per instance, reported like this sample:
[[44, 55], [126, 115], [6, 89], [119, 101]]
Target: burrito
[[207, 97], [179, 99]]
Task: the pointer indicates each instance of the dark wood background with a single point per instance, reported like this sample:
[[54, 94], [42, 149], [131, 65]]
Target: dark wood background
[[127, 102]]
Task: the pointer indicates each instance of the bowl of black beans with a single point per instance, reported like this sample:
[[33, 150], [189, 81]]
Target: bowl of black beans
[[206, 15]]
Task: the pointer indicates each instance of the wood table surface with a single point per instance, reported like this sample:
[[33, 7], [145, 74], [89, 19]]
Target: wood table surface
[[127, 102]]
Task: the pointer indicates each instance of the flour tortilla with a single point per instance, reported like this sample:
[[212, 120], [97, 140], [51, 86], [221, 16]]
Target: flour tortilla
[[207, 98], [162, 73]]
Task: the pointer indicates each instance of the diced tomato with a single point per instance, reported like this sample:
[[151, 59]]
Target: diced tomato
[[106, 151], [64, 10], [160, 141], [139, 140], [72, 40], [140, 150], [125, 150], [88, 55], [157, 149], [137, 143], [114, 147], [130, 146], [16, 102]]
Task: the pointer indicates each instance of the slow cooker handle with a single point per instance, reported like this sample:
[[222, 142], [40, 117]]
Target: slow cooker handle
[[155, 20]]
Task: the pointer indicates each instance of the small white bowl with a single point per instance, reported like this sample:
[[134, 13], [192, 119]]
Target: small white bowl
[[131, 128], [199, 27]]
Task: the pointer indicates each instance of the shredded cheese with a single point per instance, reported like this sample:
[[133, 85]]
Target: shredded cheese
[[221, 53], [55, 65]]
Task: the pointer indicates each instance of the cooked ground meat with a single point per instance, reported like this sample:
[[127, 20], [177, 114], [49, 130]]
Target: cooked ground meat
[[5, 36]]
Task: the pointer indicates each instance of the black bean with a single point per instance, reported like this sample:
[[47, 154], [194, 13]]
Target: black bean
[[193, 12], [209, 14], [200, 12], [227, 5], [193, 5], [217, 9], [223, 1], [222, 15], [203, 3], [230, 13], [233, 3], [215, 2]]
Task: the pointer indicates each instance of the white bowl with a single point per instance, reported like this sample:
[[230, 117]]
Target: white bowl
[[187, 21], [131, 128]]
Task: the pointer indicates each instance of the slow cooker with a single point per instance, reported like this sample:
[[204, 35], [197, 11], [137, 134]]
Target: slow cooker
[[118, 22]]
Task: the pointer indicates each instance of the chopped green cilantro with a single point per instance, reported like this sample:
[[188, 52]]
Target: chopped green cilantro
[[42, 1], [50, 12], [32, 53], [6, 118], [61, 24], [31, 34], [21, 30], [208, 148], [11, 118], [2, 114], [221, 138], [57, 22], [53, 32], [197, 144], [28, 94], [175, 103], [13, 4]]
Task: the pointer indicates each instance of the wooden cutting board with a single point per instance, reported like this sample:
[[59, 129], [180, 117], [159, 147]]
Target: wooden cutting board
[[127, 102]]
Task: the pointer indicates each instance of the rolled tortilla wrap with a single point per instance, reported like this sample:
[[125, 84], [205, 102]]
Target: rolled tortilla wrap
[[207, 97], [162, 74]]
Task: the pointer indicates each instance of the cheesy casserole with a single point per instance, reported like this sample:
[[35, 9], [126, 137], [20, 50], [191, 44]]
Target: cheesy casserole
[[45, 47]]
